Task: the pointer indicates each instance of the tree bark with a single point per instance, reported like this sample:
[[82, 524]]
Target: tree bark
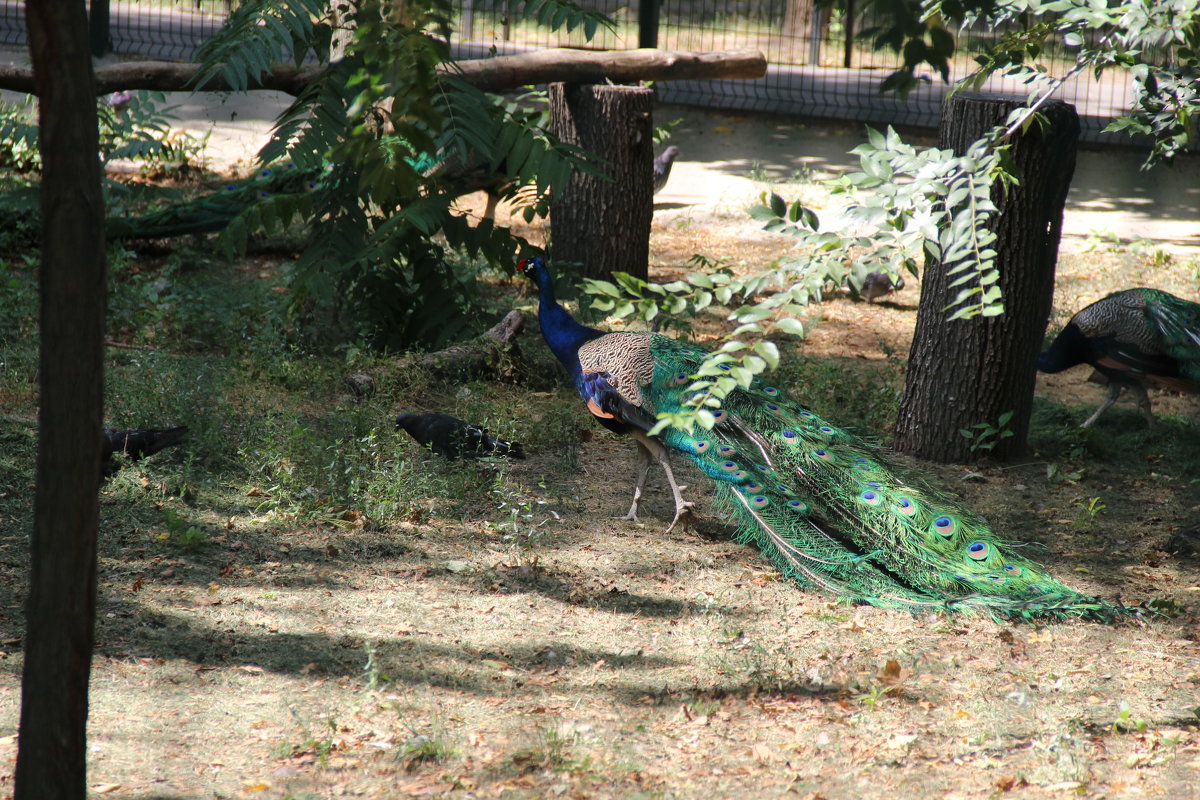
[[60, 610], [602, 224], [797, 19], [965, 372], [489, 74]]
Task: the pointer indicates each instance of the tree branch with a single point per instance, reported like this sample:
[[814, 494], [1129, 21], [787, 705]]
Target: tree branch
[[619, 66], [489, 74]]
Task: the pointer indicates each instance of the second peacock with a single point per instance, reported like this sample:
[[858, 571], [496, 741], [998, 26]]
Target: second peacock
[[830, 510]]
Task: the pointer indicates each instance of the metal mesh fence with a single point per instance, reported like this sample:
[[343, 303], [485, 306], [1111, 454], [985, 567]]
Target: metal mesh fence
[[171, 30], [819, 66], [165, 29]]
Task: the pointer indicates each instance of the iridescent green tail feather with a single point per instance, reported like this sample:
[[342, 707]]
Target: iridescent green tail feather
[[836, 514]]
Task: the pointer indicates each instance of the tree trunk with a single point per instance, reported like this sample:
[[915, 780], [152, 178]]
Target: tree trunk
[[60, 610], [797, 20], [965, 372], [603, 225]]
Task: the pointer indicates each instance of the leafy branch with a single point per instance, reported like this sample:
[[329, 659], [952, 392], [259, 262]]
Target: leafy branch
[[1158, 43], [389, 138]]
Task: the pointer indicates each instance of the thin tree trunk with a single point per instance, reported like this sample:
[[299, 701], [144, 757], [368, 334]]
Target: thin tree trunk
[[797, 20], [603, 225], [965, 372], [60, 611]]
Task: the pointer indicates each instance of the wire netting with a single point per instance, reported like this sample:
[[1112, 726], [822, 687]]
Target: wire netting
[[821, 62]]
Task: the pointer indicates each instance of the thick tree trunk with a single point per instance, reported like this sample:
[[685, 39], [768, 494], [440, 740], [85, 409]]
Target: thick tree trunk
[[965, 372], [60, 610], [603, 225]]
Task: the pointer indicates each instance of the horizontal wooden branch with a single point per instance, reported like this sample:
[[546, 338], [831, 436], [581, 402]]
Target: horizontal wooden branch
[[489, 74], [598, 66], [164, 76]]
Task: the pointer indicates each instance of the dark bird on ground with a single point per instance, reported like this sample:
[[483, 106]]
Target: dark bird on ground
[[662, 167], [878, 284], [137, 443], [833, 512], [453, 438], [1135, 338]]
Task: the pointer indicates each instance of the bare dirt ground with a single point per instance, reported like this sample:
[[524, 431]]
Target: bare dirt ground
[[531, 647]]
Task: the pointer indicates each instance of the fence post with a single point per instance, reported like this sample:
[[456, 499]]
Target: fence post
[[648, 23], [468, 21], [98, 28]]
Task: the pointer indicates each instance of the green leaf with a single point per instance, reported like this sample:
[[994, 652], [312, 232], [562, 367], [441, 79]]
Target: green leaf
[[790, 325]]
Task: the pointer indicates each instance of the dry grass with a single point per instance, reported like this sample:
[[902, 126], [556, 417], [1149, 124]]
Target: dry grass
[[521, 644]]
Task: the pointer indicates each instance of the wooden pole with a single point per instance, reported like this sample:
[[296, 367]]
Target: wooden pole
[[648, 11]]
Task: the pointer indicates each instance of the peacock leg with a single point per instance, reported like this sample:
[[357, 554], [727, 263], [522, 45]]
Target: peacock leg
[[683, 509], [1110, 397], [645, 460], [1143, 402]]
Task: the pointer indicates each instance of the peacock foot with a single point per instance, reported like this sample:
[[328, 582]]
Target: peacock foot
[[683, 513]]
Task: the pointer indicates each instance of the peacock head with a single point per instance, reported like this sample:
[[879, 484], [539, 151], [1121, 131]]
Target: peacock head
[[534, 268]]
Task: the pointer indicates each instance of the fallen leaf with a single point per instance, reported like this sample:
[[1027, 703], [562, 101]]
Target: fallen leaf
[[902, 740], [1010, 782], [761, 753]]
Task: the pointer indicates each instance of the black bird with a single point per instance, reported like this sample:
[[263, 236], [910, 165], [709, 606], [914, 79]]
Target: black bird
[[1134, 338], [453, 438], [137, 443], [662, 167]]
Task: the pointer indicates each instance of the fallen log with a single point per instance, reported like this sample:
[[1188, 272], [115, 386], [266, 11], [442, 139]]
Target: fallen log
[[492, 354], [489, 74]]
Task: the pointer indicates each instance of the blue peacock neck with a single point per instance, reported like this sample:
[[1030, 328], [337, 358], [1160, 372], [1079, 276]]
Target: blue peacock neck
[[563, 334], [1067, 350]]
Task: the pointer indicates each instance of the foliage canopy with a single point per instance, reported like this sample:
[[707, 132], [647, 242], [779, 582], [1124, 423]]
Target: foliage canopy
[[389, 136]]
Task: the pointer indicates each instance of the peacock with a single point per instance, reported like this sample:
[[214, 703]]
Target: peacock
[[832, 511], [213, 212], [1134, 338], [662, 167], [877, 284]]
